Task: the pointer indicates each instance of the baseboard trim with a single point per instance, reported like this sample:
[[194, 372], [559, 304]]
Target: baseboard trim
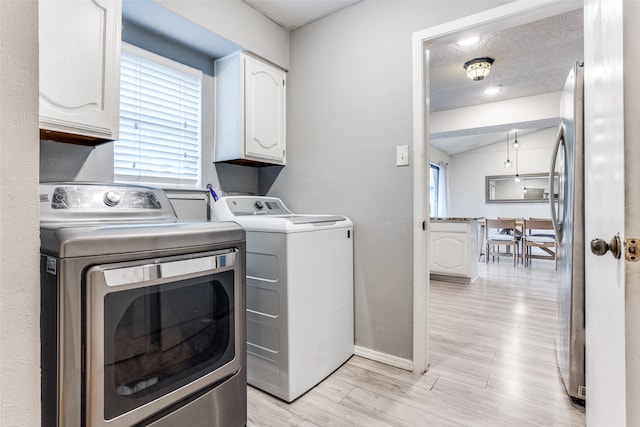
[[388, 359]]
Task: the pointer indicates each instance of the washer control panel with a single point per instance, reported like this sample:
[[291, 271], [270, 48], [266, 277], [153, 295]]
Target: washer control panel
[[241, 206]]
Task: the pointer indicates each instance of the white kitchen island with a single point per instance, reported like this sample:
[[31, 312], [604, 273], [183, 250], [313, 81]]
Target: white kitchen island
[[453, 252]]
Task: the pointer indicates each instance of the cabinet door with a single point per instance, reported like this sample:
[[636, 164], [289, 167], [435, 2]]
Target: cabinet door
[[80, 67], [264, 111], [450, 253]]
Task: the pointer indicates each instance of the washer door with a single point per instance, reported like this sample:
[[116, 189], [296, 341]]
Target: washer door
[[158, 331]]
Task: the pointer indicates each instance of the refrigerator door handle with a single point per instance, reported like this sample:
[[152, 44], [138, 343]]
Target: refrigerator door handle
[[552, 176]]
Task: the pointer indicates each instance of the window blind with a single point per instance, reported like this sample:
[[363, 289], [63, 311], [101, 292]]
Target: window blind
[[160, 132]]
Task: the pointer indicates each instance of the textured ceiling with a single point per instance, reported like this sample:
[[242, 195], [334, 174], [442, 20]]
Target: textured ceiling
[[529, 60]]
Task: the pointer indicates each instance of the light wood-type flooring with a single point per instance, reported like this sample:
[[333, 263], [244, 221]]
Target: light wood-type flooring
[[492, 363]]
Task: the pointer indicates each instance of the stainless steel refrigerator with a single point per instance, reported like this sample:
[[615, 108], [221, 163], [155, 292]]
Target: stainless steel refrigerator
[[566, 184]]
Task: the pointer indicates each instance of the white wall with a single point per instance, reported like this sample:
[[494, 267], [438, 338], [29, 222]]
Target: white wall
[[239, 23], [436, 155], [467, 173], [349, 104], [526, 109], [19, 219], [68, 162]]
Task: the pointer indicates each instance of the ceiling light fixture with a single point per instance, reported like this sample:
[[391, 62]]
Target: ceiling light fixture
[[507, 163], [492, 90], [517, 177], [469, 41], [516, 144], [478, 68]]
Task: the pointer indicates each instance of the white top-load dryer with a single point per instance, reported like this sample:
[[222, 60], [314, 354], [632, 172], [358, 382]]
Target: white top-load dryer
[[299, 293]]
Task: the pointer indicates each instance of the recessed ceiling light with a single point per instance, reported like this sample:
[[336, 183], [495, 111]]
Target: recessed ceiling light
[[492, 90], [468, 42]]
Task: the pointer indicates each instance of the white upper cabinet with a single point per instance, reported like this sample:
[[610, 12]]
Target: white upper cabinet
[[250, 111], [80, 69]]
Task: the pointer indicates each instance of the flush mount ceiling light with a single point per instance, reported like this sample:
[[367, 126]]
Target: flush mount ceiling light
[[469, 41], [478, 68], [493, 90]]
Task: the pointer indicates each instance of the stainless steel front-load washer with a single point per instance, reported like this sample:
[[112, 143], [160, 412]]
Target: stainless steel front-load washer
[[142, 317]]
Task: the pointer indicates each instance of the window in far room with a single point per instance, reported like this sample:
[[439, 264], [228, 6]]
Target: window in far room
[[160, 121], [434, 185]]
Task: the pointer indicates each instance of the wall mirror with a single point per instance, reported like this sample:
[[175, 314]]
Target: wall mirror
[[532, 188]]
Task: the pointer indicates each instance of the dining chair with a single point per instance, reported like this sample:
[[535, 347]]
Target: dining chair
[[539, 233], [518, 233], [501, 232]]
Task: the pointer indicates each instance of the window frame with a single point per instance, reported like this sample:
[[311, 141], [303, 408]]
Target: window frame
[[434, 187], [165, 181]]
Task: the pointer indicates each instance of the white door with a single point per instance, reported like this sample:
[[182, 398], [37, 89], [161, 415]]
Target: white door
[[604, 213]]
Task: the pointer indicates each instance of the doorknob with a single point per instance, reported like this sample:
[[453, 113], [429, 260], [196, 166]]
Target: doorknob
[[599, 247]]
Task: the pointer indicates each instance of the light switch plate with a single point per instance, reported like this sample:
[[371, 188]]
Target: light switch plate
[[402, 155]]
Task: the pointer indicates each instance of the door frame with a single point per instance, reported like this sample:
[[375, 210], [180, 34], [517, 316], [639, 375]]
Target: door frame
[[506, 16]]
